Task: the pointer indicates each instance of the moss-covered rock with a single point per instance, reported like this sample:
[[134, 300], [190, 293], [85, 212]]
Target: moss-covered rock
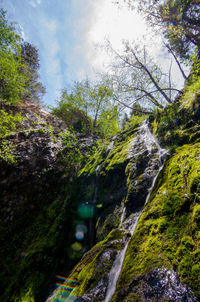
[[167, 234], [38, 201]]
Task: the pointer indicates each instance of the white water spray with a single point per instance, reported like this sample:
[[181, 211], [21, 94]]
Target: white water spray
[[122, 216], [149, 141], [117, 265]]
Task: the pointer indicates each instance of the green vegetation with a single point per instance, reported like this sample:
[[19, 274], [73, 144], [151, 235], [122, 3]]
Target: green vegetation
[[18, 65], [41, 210], [9, 124], [88, 108], [37, 252], [88, 272], [12, 81], [167, 233], [119, 152]]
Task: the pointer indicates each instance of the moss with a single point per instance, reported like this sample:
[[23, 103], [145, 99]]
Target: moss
[[118, 155], [35, 253], [167, 234], [192, 92], [133, 297], [111, 220], [26, 297], [97, 156], [92, 266]]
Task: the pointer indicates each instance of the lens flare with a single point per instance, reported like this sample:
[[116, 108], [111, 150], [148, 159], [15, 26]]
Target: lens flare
[[67, 279], [79, 235], [65, 296], [68, 287], [86, 210], [77, 246], [81, 227]]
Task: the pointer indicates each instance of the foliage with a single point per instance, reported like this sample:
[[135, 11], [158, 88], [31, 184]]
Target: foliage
[[88, 108], [192, 93], [182, 25], [168, 233], [108, 122], [6, 153], [178, 19], [195, 70], [74, 117], [9, 123], [12, 81], [71, 155], [30, 58], [134, 121], [19, 63]]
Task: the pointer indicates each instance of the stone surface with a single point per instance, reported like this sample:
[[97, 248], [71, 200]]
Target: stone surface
[[158, 285]]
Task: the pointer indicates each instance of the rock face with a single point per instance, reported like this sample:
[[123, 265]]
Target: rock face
[[158, 285], [145, 207], [36, 147], [160, 254], [37, 201]]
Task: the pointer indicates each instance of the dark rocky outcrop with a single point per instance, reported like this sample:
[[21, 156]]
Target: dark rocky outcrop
[[38, 202], [128, 182], [156, 286]]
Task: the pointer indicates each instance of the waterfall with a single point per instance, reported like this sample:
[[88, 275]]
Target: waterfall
[[117, 265], [143, 143], [122, 216], [161, 156], [149, 141]]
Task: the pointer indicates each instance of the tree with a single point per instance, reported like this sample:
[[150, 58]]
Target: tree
[[108, 122], [19, 64], [137, 79], [179, 21], [182, 25], [72, 115], [12, 81], [93, 103], [30, 58]]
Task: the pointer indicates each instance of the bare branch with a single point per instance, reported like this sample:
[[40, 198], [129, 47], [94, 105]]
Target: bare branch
[[177, 61], [170, 82], [129, 107]]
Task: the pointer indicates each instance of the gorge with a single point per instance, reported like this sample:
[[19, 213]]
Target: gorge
[[136, 205]]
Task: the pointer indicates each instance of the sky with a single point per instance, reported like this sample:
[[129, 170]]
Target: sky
[[68, 33]]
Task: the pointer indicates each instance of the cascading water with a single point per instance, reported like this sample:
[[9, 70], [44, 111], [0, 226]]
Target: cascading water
[[122, 216], [117, 265], [144, 144], [149, 141]]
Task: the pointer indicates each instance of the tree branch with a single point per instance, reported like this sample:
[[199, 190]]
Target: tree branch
[[177, 61]]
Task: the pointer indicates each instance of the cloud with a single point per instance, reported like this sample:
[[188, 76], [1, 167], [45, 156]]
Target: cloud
[[51, 26], [35, 3], [90, 24], [114, 24]]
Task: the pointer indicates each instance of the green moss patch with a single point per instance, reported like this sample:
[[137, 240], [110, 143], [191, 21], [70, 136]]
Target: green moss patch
[[167, 233], [93, 266]]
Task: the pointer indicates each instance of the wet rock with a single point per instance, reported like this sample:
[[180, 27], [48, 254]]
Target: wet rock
[[97, 294], [158, 285]]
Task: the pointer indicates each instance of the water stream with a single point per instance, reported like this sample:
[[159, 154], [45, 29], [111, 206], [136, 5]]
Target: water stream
[[149, 141], [143, 141], [117, 265]]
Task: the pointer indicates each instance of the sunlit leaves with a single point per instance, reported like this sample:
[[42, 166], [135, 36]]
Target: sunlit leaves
[[89, 108], [12, 82]]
